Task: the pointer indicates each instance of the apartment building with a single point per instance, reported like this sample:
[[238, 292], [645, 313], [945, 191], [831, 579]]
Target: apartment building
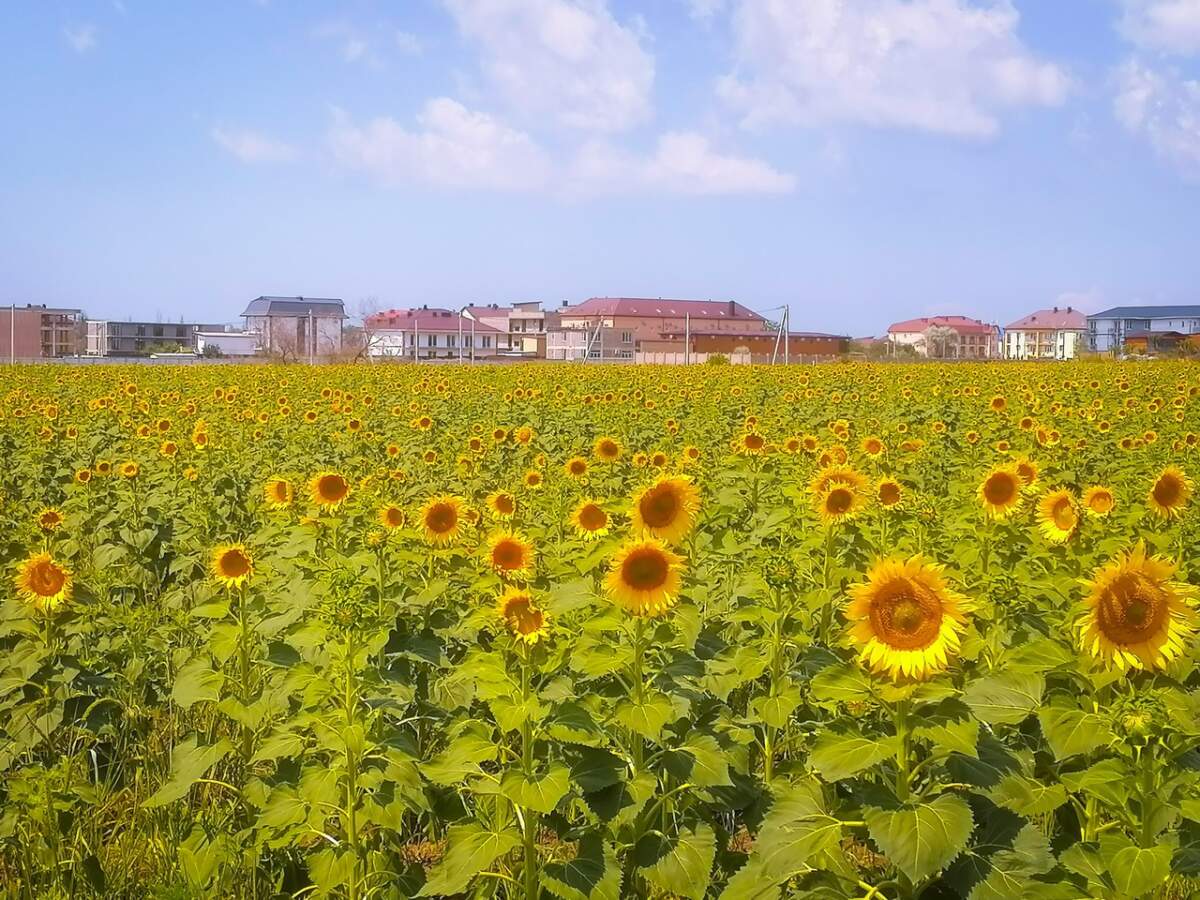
[[39, 332], [430, 333], [1055, 333], [947, 337], [1144, 326]]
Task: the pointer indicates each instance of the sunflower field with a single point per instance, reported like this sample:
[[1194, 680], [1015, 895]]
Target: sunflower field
[[595, 632]]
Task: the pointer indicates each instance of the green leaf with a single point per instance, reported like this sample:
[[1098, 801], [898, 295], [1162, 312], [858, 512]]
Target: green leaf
[[567, 597], [704, 763], [1005, 698], [592, 874], [469, 850], [330, 869], [1040, 655], [460, 759], [540, 793], [283, 743], [571, 723], [683, 865], [1028, 797], [950, 727], [284, 807], [839, 755], [593, 769], [922, 839], [195, 682], [775, 711], [845, 682], [1135, 871], [1107, 780], [646, 718], [190, 760], [1072, 731]]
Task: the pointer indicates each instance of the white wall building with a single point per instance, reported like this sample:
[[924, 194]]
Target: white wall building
[[296, 327], [1108, 330], [1056, 333]]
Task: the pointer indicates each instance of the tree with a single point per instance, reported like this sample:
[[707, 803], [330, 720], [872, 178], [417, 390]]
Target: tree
[[939, 339]]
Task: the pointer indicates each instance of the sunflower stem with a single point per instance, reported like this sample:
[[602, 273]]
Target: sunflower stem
[[532, 888], [903, 773]]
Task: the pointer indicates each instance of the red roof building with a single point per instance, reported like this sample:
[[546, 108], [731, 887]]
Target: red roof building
[[1055, 333], [947, 337], [429, 333]]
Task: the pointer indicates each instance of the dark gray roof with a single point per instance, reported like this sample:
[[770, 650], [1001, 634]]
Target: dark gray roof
[[1149, 312], [295, 306]]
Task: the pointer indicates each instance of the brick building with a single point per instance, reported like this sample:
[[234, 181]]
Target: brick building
[[39, 332], [947, 337]]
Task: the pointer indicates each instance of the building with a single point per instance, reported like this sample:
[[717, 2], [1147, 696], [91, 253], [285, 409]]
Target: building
[[750, 347], [1110, 330], [946, 337], [1056, 333], [525, 325], [296, 327], [430, 333], [110, 338], [227, 343], [39, 332]]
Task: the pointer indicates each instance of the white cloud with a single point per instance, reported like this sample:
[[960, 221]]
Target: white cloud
[[452, 147], [944, 66], [568, 60], [1164, 108], [682, 163], [82, 38], [1172, 26], [408, 44], [252, 146]]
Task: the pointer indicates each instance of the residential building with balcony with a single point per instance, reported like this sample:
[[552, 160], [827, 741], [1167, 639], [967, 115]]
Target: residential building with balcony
[[947, 337], [1056, 333], [39, 332], [106, 337], [430, 333]]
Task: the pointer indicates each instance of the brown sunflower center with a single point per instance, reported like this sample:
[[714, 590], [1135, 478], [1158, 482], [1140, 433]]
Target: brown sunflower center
[[999, 489], [508, 554], [889, 494], [1100, 502], [522, 616], [332, 488], [1132, 609], [592, 518], [839, 500], [1027, 472], [1168, 490], [645, 569], [608, 449], [753, 441], [905, 615], [441, 518], [1063, 514], [578, 467], [279, 490], [659, 506], [46, 579], [504, 504], [234, 563], [394, 517]]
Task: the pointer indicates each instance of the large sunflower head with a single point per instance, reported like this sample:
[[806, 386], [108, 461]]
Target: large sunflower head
[[889, 493], [1098, 501], [576, 467], [1170, 492], [521, 616], [905, 620], [607, 449], [644, 577], [232, 565], [328, 489], [390, 516], [590, 520], [1134, 615], [1057, 516], [510, 555], [42, 582], [441, 519], [838, 502], [278, 493], [1000, 491], [666, 509]]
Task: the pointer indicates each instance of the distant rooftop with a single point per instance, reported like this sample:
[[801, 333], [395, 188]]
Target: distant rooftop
[[961, 324], [649, 307], [426, 319], [1149, 312], [295, 306], [1054, 319]]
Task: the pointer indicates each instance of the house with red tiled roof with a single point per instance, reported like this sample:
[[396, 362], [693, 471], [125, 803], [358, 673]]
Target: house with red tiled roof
[[430, 333], [1055, 333], [947, 337]]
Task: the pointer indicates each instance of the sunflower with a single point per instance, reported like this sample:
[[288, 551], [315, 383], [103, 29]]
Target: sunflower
[[43, 583], [872, 446], [50, 519], [905, 620], [751, 444], [666, 509], [1098, 501], [576, 467], [838, 502], [843, 474], [390, 516], [440, 519], [1000, 491], [328, 489], [510, 555], [644, 577], [130, 469], [83, 476], [1028, 471], [1058, 517], [1170, 492], [1134, 615], [232, 565], [607, 449], [502, 504], [278, 493], [532, 480], [524, 620], [590, 520], [889, 493]]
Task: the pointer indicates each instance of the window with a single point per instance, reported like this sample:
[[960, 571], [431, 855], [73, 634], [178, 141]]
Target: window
[[626, 337], [158, 331], [486, 341], [452, 340], [624, 354]]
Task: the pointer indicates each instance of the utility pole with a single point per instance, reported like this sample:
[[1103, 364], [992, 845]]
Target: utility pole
[[460, 348], [12, 335], [472, 340], [687, 338], [787, 332], [416, 336]]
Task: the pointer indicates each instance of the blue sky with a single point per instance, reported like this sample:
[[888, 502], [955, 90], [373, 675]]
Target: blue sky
[[861, 160]]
